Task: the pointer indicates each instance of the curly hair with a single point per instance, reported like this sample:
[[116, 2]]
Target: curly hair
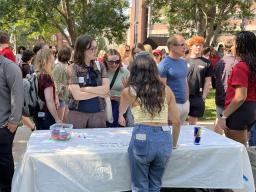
[[246, 50], [43, 57], [195, 40], [64, 54], [144, 79]]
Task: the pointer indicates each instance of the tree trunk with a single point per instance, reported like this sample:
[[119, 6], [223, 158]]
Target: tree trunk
[[210, 33], [202, 23], [215, 35], [70, 22]]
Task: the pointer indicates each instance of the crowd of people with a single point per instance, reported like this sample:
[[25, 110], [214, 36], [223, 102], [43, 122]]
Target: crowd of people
[[149, 90]]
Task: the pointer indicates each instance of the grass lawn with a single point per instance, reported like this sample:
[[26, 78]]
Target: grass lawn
[[210, 108]]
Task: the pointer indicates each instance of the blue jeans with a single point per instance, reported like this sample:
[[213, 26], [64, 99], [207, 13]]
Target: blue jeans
[[252, 140], [149, 150]]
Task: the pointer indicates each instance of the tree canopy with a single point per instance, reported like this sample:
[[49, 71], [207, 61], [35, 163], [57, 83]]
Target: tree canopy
[[70, 17], [202, 17]]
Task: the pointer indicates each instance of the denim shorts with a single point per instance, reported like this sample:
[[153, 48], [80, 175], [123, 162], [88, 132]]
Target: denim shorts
[[62, 103], [252, 140]]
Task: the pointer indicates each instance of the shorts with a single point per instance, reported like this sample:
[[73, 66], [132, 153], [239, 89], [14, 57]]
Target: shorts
[[243, 118], [183, 110], [219, 110], [197, 106], [62, 103], [252, 139]]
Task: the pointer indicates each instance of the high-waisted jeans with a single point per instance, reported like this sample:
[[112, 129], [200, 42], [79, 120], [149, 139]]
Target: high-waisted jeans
[[149, 150]]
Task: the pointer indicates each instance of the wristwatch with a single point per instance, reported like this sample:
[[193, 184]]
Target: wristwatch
[[223, 116]]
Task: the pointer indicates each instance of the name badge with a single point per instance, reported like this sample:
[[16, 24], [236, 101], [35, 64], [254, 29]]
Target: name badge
[[141, 137], [166, 128], [201, 67], [41, 114], [80, 79]]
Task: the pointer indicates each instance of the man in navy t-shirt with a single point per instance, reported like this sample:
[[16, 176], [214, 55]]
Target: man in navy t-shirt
[[173, 70]]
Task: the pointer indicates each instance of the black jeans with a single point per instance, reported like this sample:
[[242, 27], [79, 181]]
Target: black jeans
[[6, 160]]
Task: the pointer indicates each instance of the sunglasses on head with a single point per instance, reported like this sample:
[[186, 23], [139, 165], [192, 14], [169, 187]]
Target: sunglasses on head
[[113, 62]]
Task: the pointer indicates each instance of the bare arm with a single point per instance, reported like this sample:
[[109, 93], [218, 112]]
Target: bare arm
[[49, 98], [163, 79], [237, 101], [125, 102], [99, 90], [78, 94], [206, 87], [174, 116]]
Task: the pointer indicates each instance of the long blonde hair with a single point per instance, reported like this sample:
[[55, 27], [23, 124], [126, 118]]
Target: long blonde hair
[[43, 57]]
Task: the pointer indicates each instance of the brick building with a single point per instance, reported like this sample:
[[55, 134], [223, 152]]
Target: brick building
[[143, 31]]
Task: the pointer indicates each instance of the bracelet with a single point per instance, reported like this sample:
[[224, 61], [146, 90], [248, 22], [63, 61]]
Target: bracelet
[[34, 128]]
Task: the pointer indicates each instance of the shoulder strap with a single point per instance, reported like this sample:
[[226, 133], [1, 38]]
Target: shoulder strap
[[114, 78]]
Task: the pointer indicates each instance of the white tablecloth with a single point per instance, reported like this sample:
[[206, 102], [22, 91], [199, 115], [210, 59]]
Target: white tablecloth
[[96, 160]]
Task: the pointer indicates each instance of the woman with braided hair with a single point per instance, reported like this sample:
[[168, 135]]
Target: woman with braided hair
[[240, 103]]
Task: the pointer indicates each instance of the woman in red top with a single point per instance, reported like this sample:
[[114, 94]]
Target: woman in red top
[[240, 103], [46, 91]]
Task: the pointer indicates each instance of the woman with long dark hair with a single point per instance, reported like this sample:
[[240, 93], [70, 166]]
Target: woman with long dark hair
[[88, 84], [151, 143], [240, 103]]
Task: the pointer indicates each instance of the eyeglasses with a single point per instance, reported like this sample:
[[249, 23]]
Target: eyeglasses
[[181, 45], [117, 62]]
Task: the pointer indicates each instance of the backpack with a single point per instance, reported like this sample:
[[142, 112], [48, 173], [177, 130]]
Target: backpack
[[32, 103]]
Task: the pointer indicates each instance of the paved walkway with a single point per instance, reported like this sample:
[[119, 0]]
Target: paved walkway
[[23, 134]]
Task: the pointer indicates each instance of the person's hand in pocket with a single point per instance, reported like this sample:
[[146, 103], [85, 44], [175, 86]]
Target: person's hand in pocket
[[11, 126]]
